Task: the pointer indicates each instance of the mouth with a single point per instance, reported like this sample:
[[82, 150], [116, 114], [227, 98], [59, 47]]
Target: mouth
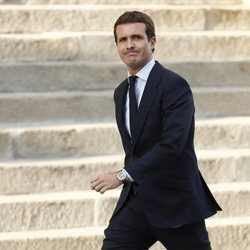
[[131, 54]]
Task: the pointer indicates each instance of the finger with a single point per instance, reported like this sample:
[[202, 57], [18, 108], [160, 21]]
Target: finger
[[103, 190], [99, 187], [94, 184], [94, 180]]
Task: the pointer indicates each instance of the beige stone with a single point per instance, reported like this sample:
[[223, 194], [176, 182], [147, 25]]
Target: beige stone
[[67, 107], [93, 139], [83, 46], [6, 148], [54, 176], [223, 133], [45, 211], [222, 101], [101, 18], [87, 75], [224, 234], [98, 106], [95, 18], [85, 140], [175, 2], [17, 177], [82, 209], [228, 19], [177, 46], [38, 47]]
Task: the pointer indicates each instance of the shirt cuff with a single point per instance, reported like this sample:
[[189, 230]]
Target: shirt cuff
[[129, 177]]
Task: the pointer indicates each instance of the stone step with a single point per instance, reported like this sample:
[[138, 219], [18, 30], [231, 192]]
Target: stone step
[[23, 177], [102, 138], [88, 208], [73, 18], [83, 46], [225, 234], [174, 2], [93, 106], [78, 76]]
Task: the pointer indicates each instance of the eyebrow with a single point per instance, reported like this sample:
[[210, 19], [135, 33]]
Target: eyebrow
[[133, 35]]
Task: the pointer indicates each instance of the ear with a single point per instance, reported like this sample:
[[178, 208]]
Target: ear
[[152, 42]]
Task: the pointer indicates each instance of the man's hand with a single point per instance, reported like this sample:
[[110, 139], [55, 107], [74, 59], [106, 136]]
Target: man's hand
[[105, 182]]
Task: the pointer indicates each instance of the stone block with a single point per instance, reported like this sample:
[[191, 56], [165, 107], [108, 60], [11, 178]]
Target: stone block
[[174, 2], [95, 18], [98, 106], [6, 146], [231, 18], [77, 76], [67, 107], [21, 177], [224, 133], [68, 142], [177, 46], [45, 211], [219, 102], [225, 234], [38, 47]]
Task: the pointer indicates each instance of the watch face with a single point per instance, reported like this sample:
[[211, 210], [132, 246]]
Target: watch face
[[121, 176]]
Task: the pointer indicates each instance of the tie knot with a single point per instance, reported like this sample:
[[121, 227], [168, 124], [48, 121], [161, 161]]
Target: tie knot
[[132, 80]]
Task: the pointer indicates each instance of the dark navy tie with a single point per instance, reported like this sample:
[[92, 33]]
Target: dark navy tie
[[132, 104]]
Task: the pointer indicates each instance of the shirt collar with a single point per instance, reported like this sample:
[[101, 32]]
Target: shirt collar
[[145, 71]]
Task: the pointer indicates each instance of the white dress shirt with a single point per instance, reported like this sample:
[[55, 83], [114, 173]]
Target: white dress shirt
[[139, 89]]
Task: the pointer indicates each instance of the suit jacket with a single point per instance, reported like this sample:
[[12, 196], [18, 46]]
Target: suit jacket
[[169, 187]]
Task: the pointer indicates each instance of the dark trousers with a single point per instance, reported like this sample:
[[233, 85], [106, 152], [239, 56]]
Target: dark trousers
[[130, 230]]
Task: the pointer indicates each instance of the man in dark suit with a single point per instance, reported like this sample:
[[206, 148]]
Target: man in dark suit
[[164, 197]]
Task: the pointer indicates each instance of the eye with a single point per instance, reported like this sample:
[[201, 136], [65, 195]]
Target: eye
[[122, 39], [137, 37]]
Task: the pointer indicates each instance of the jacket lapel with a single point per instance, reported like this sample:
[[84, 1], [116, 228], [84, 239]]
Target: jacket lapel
[[120, 112], [147, 100]]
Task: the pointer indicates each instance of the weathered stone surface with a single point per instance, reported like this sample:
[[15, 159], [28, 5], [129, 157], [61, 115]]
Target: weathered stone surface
[[94, 139], [177, 46], [18, 177], [39, 47], [101, 18], [88, 208], [66, 142], [97, 18], [229, 233], [224, 234], [234, 198], [223, 133], [228, 18], [60, 107], [83, 46], [77, 239], [222, 101], [5, 145], [174, 2], [54, 176], [218, 166], [73, 76], [44, 211], [93, 106]]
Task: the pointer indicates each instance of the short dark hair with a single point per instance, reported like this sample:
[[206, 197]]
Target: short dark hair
[[136, 17]]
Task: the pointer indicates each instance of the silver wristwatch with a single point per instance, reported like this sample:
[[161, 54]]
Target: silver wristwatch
[[122, 175]]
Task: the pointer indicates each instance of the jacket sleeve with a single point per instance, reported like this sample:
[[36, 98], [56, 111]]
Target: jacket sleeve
[[177, 115]]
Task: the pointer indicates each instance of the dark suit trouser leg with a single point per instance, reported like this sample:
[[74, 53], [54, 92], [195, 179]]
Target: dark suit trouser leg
[[129, 230]]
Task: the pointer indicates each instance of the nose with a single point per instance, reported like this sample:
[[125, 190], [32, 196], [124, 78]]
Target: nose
[[130, 44]]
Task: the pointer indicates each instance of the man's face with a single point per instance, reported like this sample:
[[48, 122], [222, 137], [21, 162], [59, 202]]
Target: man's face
[[133, 46]]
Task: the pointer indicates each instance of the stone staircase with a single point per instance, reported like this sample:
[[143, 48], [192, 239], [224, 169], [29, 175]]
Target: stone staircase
[[58, 68]]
